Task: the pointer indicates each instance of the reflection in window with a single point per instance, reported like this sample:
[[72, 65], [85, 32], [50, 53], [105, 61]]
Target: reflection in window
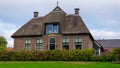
[[27, 43], [65, 42], [39, 43], [52, 28], [78, 42]]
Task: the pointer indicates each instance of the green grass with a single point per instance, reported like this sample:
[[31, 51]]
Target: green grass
[[56, 64]]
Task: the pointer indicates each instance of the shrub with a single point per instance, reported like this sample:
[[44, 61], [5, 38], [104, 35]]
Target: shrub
[[47, 55], [116, 54]]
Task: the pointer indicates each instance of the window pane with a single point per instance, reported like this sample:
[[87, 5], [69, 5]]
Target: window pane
[[78, 42], [55, 28], [52, 28], [65, 42], [27, 43], [40, 40], [80, 39], [52, 40], [66, 47], [49, 28], [39, 43], [78, 47]]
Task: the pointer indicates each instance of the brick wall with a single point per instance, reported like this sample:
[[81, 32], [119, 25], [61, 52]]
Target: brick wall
[[18, 43], [86, 42]]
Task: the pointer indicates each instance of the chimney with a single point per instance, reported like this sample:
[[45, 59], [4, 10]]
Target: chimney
[[36, 14], [77, 11]]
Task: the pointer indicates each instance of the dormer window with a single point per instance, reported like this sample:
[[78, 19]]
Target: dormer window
[[52, 28]]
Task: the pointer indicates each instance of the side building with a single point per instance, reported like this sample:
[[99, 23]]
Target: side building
[[56, 30]]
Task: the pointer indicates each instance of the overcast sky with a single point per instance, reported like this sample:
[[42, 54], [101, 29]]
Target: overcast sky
[[102, 17]]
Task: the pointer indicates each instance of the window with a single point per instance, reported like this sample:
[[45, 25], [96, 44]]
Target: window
[[52, 43], [65, 42], [78, 42], [27, 44], [52, 28], [39, 43]]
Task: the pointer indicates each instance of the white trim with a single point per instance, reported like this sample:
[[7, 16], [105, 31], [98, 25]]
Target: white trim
[[97, 43], [99, 51]]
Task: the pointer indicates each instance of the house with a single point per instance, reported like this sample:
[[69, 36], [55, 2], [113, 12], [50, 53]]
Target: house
[[109, 44], [56, 30]]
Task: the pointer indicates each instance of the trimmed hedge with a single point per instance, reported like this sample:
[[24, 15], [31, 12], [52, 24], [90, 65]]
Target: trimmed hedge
[[59, 55], [47, 55]]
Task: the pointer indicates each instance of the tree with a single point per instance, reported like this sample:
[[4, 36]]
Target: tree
[[3, 41]]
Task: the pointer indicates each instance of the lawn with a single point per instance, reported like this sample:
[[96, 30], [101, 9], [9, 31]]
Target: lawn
[[56, 64]]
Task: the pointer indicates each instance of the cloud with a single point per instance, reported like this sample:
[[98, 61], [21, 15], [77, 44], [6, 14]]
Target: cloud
[[7, 30], [105, 34], [101, 16]]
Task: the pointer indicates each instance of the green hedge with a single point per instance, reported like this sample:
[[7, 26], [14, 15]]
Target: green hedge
[[113, 56], [47, 55], [59, 55]]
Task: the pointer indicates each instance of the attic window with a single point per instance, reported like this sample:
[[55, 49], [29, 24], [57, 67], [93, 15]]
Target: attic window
[[52, 28]]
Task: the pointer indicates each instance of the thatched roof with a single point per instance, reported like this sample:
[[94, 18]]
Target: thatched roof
[[69, 24]]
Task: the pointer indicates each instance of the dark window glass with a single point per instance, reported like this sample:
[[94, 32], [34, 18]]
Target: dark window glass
[[52, 43]]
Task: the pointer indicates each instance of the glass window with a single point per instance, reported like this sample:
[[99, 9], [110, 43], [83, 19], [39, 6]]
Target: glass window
[[49, 28], [52, 28], [39, 43], [65, 42], [55, 28], [78, 42], [52, 43], [27, 44]]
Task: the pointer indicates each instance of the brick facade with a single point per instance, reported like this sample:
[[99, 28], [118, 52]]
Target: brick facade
[[19, 43], [70, 25]]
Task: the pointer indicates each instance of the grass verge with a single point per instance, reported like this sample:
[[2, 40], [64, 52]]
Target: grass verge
[[56, 64]]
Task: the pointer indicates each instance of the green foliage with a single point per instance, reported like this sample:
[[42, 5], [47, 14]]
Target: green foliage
[[59, 55], [116, 54], [104, 57], [2, 48], [3, 41], [81, 55], [47, 55]]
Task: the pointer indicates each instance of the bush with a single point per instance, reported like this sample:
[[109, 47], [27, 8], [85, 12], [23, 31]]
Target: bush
[[116, 54], [104, 57], [81, 55], [59, 55], [47, 55]]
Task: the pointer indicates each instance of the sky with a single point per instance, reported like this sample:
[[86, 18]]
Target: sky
[[102, 17]]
